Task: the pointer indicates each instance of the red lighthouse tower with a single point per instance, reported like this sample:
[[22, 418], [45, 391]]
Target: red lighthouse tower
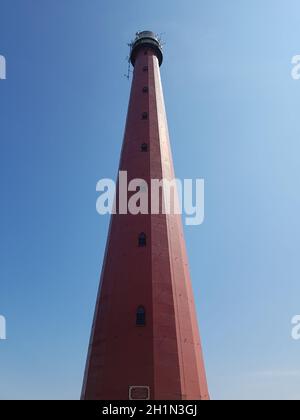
[[145, 342]]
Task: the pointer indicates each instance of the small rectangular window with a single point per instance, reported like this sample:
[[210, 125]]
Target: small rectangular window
[[144, 115], [144, 147], [145, 68], [142, 239], [139, 393], [145, 89], [141, 316]]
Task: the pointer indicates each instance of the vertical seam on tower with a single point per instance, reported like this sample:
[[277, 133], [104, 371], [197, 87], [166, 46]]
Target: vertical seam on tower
[[152, 391], [191, 309], [160, 104]]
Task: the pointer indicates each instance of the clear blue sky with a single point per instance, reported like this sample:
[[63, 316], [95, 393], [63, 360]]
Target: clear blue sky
[[233, 113]]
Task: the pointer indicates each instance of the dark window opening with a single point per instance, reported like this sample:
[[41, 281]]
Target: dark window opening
[[142, 240], [144, 115], [145, 89], [140, 316], [144, 147], [145, 68]]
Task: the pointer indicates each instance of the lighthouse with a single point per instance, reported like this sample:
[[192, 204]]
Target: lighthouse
[[145, 343]]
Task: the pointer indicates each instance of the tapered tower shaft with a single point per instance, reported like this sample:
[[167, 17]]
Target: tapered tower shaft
[[145, 341]]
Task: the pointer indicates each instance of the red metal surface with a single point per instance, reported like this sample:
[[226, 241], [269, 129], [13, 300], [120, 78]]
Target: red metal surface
[[165, 354]]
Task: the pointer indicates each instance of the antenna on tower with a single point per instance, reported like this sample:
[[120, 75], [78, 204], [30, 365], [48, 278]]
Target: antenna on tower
[[127, 75]]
